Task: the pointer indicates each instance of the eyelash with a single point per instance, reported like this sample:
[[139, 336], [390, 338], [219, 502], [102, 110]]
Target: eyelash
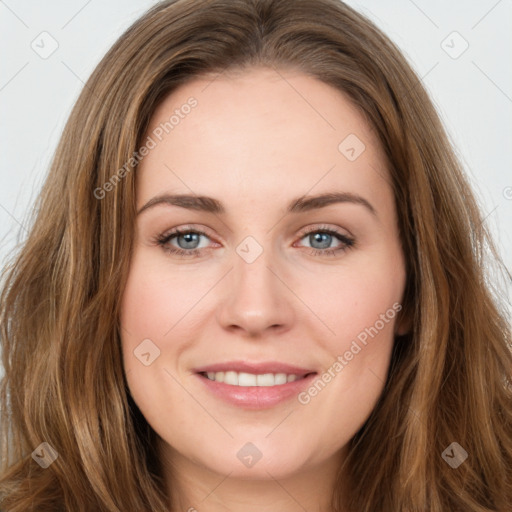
[[163, 240]]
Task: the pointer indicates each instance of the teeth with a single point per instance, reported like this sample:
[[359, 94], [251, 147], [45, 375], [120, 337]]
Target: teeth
[[231, 378], [280, 378], [265, 379], [246, 379], [249, 379]]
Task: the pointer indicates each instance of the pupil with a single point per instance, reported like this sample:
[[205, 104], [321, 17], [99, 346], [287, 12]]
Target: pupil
[[325, 236], [189, 239]]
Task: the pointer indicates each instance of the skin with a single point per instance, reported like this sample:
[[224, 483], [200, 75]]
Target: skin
[[256, 140]]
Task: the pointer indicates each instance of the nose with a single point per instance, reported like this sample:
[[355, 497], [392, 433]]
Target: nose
[[256, 299]]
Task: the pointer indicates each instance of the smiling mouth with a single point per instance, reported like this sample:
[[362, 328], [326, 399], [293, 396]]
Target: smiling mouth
[[244, 379]]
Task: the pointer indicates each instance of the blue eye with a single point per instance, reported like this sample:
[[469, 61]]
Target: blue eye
[[189, 246], [324, 237], [189, 240]]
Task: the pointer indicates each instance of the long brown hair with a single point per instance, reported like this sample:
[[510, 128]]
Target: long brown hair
[[449, 379]]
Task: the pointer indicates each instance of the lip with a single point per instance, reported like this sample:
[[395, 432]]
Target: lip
[[255, 397], [258, 368]]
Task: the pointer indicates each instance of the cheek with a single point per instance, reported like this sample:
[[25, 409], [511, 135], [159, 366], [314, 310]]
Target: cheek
[[161, 304], [357, 355], [154, 307], [358, 300], [362, 322], [155, 301]]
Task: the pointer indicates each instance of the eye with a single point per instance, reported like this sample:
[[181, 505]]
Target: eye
[[321, 238], [187, 241]]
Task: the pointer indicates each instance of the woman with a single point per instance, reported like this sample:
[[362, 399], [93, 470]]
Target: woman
[[324, 336]]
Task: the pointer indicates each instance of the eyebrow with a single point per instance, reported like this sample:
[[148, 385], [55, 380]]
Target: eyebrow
[[298, 205]]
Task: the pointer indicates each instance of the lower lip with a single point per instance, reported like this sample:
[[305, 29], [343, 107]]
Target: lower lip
[[256, 397]]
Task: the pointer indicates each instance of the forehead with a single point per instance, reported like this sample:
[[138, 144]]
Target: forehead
[[259, 134]]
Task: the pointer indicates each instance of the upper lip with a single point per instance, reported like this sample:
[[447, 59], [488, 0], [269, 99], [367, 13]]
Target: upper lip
[[257, 368]]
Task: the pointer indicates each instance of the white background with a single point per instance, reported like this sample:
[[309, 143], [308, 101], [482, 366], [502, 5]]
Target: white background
[[473, 92]]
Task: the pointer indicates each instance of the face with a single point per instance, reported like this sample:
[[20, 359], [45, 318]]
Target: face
[[270, 316]]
